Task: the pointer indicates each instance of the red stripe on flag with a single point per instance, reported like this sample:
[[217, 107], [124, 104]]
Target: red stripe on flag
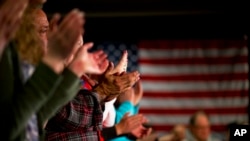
[[197, 94], [210, 111], [196, 77], [167, 128], [194, 61]]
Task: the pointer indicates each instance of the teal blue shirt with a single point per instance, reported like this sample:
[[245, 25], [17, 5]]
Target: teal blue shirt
[[124, 108]]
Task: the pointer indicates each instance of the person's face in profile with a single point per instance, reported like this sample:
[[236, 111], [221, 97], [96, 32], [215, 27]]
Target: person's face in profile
[[42, 26]]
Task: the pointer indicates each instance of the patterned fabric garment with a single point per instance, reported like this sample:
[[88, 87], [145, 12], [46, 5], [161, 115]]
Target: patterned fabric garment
[[31, 128], [79, 120], [86, 86]]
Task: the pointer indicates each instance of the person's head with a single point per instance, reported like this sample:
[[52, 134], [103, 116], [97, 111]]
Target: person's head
[[41, 24], [179, 132], [31, 37], [200, 126]]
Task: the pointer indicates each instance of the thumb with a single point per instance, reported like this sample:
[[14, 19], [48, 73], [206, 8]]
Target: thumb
[[110, 68], [122, 65], [124, 57], [88, 46]]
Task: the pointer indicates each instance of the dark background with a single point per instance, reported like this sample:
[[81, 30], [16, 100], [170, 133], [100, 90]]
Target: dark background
[[156, 19], [134, 20]]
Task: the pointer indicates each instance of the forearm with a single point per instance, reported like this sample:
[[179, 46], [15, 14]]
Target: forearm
[[55, 64], [34, 94], [122, 109], [65, 92], [63, 118]]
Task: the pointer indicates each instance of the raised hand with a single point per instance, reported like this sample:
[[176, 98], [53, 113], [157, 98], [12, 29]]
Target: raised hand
[[53, 23], [141, 132], [62, 39], [111, 85], [87, 62], [122, 65], [129, 123], [10, 18]]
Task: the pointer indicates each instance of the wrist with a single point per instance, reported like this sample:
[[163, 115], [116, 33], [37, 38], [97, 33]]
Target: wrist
[[54, 64], [76, 68], [118, 129]]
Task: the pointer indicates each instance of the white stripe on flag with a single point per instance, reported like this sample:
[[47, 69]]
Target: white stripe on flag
[[157, 70], [151, 86], [176, 119], [190, 53], [183, 103]]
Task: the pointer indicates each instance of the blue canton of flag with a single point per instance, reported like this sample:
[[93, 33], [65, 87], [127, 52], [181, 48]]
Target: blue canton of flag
[[114, 51]]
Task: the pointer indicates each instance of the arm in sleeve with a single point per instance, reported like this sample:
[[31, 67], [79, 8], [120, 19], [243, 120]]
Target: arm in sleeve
[[30, 99], [78, 113], [109, 133], [20, 101], [65, 92], [122, 109]]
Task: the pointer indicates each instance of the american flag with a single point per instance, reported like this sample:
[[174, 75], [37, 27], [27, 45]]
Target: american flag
[[182, 76]]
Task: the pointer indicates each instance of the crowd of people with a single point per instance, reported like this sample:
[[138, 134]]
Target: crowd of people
[[43, 65], [53, 88]]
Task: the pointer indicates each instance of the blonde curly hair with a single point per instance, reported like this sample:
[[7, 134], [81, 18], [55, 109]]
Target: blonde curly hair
[[29, 45]]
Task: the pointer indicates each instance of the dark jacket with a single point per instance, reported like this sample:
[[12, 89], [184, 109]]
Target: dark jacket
[[44, 93]]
